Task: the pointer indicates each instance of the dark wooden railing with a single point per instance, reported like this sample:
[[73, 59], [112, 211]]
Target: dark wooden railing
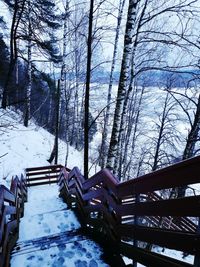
[[133, 215], [11, 209], [43, 175]]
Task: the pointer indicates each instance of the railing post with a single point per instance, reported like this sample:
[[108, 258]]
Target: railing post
[[197, 255], [135, 242]]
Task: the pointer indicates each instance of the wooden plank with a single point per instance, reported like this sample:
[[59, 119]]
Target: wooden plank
[[10, 210], [42, 183], [93, 194], [7, 194], [43, 172], [148, 258], [103, 176], [180, 174], [76, 173], [42, 178], [183, 241], [188, 206], [44, 168]]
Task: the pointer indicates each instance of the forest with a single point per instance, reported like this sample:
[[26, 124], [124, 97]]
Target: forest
[[117, 79]]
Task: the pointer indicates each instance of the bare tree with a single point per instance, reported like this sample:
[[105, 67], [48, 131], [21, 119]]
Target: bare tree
[[104, 146], [87, 91], [123, 82], [185, 101], [28, 90], [54, 153]]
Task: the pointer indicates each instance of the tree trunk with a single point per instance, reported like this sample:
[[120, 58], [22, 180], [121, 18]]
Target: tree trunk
[[160, 135], [87, 91], [123, 83], [133, 123], [54, 153], [120, 149], [104, 147], [17, 15], [189, 150], [28, 90]]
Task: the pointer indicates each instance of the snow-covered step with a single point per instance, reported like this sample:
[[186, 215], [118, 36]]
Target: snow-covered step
[[50, 234], [79, 253], [45, 214], [46, 242]]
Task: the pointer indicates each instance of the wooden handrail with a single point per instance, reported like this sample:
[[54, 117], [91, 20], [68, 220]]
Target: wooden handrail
[[43, 175], [180, 174], [112, 207], [12, 205]]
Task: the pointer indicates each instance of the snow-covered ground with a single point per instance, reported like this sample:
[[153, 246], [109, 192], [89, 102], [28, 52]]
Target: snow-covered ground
[[22, 147]]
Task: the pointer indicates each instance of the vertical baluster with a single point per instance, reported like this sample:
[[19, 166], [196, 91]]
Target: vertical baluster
[[197, 255], [135, 242]]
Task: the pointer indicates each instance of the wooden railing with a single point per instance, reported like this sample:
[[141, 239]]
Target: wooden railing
[[43, 175], [133, 215], [11, 209]]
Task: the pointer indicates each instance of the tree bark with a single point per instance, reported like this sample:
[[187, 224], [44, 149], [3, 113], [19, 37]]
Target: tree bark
[[54, 153], [87, 91], [28, 90], [104, 147], [123, 82]]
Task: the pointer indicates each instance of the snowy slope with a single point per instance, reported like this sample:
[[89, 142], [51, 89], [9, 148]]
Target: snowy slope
[[22, 147]]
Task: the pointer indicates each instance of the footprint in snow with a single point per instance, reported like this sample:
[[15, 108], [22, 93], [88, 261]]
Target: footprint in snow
[[62, 247], [65, 214], [93, 263], [69, 254], [40, 258], [30, 257], [47, 230], [41, 217], [80, 263], [63, 227], [45, 225], [88, 255], [58, 262]]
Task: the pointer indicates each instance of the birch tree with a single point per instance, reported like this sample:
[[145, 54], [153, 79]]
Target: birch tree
[[104, 146], [120, 149], [123, 82]]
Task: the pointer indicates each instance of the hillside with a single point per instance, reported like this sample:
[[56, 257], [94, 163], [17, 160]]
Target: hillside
[[23, 147]]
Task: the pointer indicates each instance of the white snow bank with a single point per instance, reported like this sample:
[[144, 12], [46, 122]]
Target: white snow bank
[[22, 147]]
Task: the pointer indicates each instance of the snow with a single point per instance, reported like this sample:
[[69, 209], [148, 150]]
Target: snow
[[23, 147], [46, 212], [46, 215]]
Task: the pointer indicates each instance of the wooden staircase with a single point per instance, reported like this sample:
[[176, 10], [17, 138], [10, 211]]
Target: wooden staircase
[[122, 217], [50, 235], [118, 211]]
